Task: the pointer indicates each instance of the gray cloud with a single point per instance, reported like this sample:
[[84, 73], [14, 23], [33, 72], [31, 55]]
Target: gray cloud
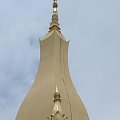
[[93, 28]]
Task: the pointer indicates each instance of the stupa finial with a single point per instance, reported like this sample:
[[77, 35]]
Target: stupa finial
[[54, 25], [55, 5]]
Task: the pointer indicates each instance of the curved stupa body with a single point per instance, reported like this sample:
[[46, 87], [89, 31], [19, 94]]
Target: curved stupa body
[[53, 71]]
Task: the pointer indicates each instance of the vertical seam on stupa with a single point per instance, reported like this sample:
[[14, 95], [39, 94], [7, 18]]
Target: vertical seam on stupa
[[54, 60], [61, 57]]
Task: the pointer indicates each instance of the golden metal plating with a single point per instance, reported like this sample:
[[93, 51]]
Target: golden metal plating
[[57, 113]]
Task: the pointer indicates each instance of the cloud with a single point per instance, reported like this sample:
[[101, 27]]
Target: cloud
[[93, 28]]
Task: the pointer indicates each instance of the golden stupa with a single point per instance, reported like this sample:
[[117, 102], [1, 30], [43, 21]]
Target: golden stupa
[[53, 95]]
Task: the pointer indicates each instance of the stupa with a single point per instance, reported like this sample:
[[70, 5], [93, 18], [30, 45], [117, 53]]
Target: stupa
[[53, 77]]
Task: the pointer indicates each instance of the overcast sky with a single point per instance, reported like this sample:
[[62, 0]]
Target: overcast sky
[[93, 28]]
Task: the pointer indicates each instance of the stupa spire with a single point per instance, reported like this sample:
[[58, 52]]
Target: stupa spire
[[54, 25]]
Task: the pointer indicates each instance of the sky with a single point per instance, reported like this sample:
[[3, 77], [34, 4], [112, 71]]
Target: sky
[[93, 28]]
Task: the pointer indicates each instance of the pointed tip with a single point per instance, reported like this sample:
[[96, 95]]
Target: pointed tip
[[55, 5], [56, 90]]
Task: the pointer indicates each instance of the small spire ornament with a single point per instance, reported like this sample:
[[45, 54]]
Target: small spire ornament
[[57, 113], [54, 25]]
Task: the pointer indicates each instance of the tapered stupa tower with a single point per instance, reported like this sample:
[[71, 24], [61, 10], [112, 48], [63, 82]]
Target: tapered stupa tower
[[53, 71]]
